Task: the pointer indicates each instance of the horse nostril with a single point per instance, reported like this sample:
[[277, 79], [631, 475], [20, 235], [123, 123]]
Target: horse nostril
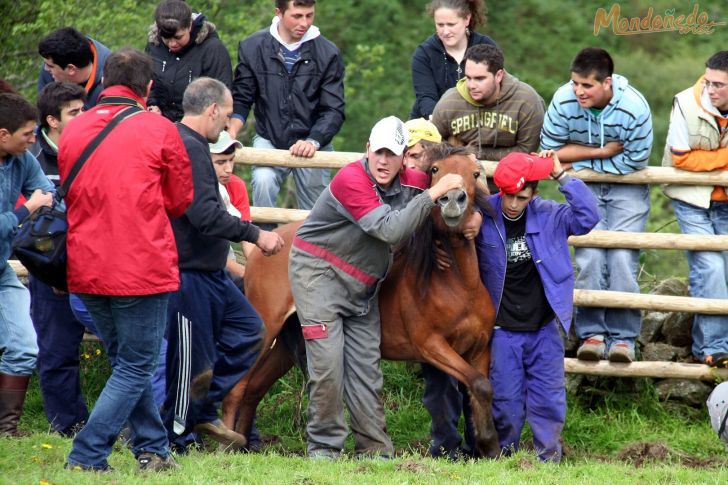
[[462, 198], [444, 199]]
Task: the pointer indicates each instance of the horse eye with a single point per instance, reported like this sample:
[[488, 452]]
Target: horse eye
[[476, 175], [434, 170]]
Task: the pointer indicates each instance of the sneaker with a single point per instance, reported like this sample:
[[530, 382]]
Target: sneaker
[[324, 454], [592, 348], [216, 430], [88, 468], [151, 462], [718, 360], [621, 351]]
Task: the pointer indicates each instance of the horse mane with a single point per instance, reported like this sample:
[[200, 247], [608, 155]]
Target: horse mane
[[419, 250]]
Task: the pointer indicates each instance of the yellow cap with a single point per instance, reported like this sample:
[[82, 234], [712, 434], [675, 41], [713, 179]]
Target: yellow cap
[[420, 129]]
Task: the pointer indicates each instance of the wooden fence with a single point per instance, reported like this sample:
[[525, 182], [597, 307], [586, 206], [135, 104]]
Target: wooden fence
[[598, 239]]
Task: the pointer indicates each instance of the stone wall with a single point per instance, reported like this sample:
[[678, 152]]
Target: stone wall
[[665, 336]]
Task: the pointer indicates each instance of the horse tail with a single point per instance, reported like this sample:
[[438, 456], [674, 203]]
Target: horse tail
[[292, 337]]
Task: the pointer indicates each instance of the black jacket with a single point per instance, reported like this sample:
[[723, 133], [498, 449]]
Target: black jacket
[[47, 157], [205, 55], [434, 71], [204, 231], [308, 103]]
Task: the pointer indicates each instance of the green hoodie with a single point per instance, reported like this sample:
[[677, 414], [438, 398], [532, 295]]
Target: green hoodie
[[511, 124]]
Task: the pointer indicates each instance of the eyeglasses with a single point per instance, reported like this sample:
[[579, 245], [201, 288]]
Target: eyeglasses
[[716, 86]]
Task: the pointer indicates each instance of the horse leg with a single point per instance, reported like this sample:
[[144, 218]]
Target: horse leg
[[234, 398], [271, 367], [481, 407], [440, 354]]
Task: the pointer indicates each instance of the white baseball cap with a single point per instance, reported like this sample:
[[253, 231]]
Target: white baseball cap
[[718, 410], [388, 133], [224, 141]]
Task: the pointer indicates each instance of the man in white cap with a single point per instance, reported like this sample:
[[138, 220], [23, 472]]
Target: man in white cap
[[339, 257]]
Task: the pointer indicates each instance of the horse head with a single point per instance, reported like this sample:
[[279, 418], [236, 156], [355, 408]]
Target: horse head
[[457, 203]]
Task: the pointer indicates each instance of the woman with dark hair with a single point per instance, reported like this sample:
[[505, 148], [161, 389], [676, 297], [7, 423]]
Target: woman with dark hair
[[183, 46], [437, 63]]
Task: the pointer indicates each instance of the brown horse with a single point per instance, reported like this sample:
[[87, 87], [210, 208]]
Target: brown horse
[[442, 317]]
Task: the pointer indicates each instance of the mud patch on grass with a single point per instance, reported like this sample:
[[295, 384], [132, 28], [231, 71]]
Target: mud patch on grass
[[412, 467], [651, 453]]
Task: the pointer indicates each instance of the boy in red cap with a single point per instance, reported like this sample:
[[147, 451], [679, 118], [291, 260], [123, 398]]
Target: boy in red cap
[[526, 266]]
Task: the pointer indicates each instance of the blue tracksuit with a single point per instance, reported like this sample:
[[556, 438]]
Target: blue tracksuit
[[527, 371], [214, 335]]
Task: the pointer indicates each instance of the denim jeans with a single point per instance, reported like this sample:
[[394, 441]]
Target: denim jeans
[[267, 181], [622, 207], [158, 379], [131, 329], [708, 273], [17, 336]]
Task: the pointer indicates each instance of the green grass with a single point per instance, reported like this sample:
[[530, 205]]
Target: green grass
[[605, 417]]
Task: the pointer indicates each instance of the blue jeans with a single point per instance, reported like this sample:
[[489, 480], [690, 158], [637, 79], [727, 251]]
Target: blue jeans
[[708, 273], [527, 375], [158, 379], [622, 207], [267, 181], [131, 329], [17, 336]]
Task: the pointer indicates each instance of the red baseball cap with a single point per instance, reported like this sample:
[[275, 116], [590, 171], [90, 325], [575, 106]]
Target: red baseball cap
[[517, 168]]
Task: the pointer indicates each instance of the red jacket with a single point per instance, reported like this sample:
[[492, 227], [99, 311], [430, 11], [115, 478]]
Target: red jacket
[[120, 240], [238, 193]]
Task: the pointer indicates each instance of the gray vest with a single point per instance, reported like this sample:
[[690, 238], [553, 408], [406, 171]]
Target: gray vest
[[703, 134]]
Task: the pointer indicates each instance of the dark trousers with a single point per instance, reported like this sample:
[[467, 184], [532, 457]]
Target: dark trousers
[[214, 336], [59, 337], [445, 399]]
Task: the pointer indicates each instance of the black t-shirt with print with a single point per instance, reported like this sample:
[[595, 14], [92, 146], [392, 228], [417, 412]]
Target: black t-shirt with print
[[523, 307]]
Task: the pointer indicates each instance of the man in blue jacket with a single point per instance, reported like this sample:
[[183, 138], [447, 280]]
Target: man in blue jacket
[[525, 264], [599, 121], [20, 173]]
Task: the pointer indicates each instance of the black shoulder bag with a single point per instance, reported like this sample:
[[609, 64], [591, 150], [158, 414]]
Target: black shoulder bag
[[40, 243]]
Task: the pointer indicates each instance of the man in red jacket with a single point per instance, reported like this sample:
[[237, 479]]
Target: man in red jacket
[[122, 257]]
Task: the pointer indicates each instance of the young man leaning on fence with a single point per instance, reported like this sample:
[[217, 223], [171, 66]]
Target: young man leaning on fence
[[697, 140], [599, 121], [295, 78]]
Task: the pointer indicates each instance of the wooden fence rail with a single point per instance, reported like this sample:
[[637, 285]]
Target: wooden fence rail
[[655, 369], [600, 239], [650, 175]]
